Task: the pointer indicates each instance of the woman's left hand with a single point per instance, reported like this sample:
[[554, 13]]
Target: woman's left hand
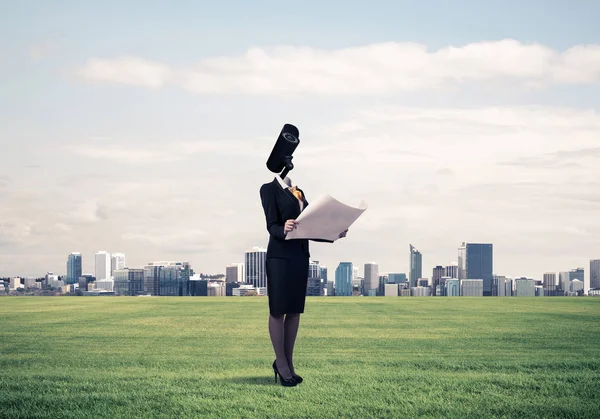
[[343, 233]]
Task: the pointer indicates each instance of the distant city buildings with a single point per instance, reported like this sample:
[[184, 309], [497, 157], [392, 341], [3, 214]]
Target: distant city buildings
[[475, 261], [117, 262], [371, 278], [595, 274], [74, 263], [234, 273], [416, 266], [255, 267], [102, 265], [343, 279]]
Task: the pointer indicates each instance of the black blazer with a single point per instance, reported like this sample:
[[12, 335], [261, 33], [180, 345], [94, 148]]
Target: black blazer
[[281, 205]]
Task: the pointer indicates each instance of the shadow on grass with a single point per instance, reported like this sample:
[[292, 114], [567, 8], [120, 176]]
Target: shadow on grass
[[259, 380]]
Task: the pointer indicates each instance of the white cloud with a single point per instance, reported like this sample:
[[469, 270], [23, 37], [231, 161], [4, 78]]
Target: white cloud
[[373, 69]]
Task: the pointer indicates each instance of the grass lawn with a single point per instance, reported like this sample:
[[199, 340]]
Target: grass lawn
[[360, 357]]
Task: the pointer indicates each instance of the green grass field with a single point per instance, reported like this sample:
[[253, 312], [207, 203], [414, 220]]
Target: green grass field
[[154, 357]]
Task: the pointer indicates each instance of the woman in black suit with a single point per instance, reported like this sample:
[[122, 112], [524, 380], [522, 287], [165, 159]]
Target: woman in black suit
[[287, 272]]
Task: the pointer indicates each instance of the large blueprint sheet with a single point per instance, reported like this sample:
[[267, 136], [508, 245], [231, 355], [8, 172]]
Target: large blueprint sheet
[[325, 218]]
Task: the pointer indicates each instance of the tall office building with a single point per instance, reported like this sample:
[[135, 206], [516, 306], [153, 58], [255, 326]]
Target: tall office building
[[117, 262], [255, 267], [102, 265], [128, 281], [343, 279], [73, 268], [462, 261], [438, 273], [371, 279], [416, 266], [451, 271], [476, 261], [354, 273], [594, 273], [234, 273], [564, 281], [549, 284], [499, 286], [323, 273], [314, 285], [397, 278], [579, 274]]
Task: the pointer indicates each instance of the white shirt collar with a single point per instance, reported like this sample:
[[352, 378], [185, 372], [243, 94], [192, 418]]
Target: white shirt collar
[[282, 183]]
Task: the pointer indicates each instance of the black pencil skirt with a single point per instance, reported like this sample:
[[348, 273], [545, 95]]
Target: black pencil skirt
[[286, 284]]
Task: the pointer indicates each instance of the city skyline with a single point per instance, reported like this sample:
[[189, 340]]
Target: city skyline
[[479, 125]]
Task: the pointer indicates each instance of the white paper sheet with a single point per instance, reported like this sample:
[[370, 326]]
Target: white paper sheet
[[325, 218]]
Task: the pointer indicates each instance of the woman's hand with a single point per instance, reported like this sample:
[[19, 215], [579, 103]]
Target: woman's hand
[[289, 226], [343, 233]]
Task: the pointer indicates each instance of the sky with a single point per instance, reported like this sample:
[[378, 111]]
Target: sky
[[144, 128]]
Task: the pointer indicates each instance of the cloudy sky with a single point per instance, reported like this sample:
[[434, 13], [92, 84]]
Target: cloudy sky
[[144, 128]]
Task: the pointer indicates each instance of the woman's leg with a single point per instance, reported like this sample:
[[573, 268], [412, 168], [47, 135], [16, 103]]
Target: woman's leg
[[292, 321], [276, 330]]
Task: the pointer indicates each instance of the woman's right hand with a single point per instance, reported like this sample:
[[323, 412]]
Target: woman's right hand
[[289, 226]]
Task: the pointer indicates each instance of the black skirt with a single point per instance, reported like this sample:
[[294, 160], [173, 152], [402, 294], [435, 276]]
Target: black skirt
[[286, 284]]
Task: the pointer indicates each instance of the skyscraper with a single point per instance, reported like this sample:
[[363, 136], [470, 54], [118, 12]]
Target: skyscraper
[[117, 262], [476, 261], [371, 280], [343, 279], [594, 273], [549, 283], [579, 274], [314, 284], [451, 271], [255, 266], [234, 273], [438, 273], [416, 266], [73, 268], [102, 265]]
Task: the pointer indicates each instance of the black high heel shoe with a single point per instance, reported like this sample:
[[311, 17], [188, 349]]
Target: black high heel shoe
[[286, 383]]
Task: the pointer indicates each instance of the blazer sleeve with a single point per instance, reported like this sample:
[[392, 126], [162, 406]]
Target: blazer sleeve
[[270, 208]]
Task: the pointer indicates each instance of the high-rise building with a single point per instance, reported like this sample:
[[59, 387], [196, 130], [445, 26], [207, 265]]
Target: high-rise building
[[102, 265], [499, 286], [371, 278], [174, 279], [594, 273], [117, 262], [451, 271], [314, 285], [128, 281], [323, 273], [255, 266], [234, 273], [73, 268], [416, 266], [438, 273], [549, 283], [476, 261], [564, 281], [397, 278], [462, 261], [343, 279]]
